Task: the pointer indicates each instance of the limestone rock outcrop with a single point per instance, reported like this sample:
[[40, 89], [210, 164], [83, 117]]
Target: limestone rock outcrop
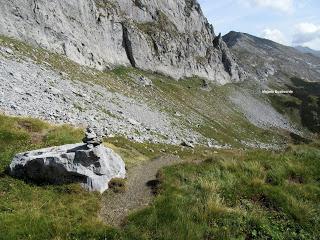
[[88, 163], [167, 36]]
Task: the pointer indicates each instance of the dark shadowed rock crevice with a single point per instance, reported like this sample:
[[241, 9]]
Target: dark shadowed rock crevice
[[128, 45]]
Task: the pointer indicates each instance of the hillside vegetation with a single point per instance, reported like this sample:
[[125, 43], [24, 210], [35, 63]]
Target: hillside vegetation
[[303, 106], [234, 194], [191, 105], [239, 195], [208, 155]]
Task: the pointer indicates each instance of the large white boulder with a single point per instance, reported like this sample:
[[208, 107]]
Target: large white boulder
[[92, 166]]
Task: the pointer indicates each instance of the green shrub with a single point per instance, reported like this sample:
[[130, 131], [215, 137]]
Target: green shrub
[[118, 185]]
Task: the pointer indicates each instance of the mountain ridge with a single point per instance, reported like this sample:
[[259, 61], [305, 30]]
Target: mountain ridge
[[275, 66], [308, 50], [264, 59]]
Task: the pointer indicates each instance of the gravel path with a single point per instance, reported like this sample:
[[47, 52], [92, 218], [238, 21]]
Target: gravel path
[[116, 206]]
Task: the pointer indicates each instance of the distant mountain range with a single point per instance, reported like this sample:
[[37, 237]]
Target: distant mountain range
[[277, 66], [308, 50], [264, 59]]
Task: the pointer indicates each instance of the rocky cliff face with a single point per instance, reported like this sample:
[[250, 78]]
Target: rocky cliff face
[[168, 36]]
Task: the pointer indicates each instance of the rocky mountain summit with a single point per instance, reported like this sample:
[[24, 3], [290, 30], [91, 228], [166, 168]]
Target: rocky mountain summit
[[89, 163], [267, 60], [171, 37]]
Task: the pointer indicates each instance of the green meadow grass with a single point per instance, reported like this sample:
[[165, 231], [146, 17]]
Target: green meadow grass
[[29, 211], [234, 194], [255, 195]]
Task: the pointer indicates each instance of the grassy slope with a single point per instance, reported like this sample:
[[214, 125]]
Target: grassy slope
[[244, 195], [208, 112], [240, 195], [303, 106], [233, 195], [29, 211], [41, 212]]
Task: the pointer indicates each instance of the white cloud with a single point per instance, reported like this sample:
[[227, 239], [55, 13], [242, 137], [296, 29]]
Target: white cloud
[[307, 27], [274, 35], [280, 5], [314, 44], [305, 33]]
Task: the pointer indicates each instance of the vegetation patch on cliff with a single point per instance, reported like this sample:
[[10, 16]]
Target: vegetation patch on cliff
[[161, 24]]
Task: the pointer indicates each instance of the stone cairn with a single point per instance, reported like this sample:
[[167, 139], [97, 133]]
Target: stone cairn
[[91, 138], [89, 163]]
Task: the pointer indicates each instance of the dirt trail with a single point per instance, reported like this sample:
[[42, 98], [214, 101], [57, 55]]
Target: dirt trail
[[138, 194]]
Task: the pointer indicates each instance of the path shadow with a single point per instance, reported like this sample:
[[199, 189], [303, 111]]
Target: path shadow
[[154, 186]]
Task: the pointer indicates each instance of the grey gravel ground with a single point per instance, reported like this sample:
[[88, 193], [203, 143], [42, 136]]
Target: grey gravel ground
[[138, 194], [29, 89], [260, 113]]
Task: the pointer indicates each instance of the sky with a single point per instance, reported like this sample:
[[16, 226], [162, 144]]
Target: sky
[[289, 22]]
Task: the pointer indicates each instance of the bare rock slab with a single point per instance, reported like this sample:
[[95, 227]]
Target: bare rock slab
[[92, 166]]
